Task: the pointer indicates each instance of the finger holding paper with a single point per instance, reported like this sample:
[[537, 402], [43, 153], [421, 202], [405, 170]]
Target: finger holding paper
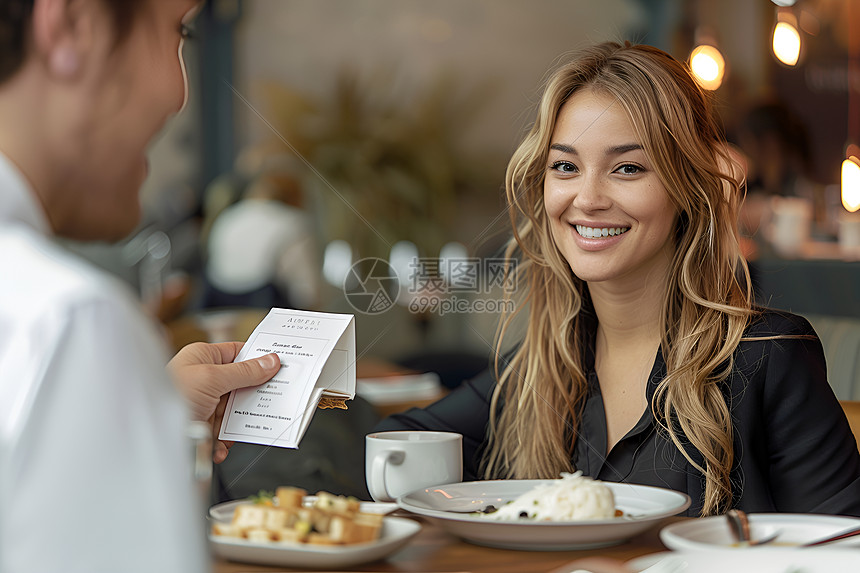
[[206, 374]]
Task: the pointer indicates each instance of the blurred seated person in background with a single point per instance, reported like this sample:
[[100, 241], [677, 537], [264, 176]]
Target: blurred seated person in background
[[261, 251], [93, 452], [777, 161], [643, 359], [776, 145]]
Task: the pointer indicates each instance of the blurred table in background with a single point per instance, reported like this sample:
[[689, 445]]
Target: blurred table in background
[[391, 394]]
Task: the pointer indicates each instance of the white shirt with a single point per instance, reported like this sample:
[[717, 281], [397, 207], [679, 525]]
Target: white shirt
[[260, 241], [95, 469]]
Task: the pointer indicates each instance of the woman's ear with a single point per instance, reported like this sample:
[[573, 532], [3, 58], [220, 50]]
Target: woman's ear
[[63, 35]]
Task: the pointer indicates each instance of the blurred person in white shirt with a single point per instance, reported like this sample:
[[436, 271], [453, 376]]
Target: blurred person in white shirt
[[261, 251], [94, 464]]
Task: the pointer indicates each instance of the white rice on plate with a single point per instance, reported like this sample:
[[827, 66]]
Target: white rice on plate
[[574, 497]]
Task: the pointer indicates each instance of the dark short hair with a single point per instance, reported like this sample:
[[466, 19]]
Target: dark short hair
[[15, 26]]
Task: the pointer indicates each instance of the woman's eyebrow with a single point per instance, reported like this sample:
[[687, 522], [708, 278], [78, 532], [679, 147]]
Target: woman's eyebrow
[[619, 149], [614, 150], [564, 148]]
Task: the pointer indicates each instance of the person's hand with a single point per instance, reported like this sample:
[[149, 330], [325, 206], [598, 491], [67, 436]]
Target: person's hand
[[205, 374]]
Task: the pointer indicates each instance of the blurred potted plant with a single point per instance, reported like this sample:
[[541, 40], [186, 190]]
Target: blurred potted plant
[[385, 167]]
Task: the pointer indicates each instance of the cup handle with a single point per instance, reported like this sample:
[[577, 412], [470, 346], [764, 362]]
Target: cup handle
[[378, 489]]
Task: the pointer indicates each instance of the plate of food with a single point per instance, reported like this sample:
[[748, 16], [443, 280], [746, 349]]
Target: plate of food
[[791, 529], [291, 529], [574, 512]]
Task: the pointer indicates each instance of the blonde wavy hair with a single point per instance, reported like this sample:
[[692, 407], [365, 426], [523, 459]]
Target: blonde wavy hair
[[541, 386]]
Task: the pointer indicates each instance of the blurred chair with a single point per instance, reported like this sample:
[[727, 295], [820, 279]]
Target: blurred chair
[[840, 337], [852, 411]]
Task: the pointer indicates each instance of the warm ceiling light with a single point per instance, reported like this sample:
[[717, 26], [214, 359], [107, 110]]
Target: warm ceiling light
[[851, 183], [786, 43], [708, 66]]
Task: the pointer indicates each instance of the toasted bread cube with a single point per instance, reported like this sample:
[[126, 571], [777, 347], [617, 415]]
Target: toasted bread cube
[[304, 514], [289, 535], [336, 503], [324, 501], [292, 517], [276, 518], [341, 529], [366, 532], [248, 516], [321, 539], [320, 520], [258, 535], [226, 529], [296, 534], [365, 527], [350, 504], [290, 497]]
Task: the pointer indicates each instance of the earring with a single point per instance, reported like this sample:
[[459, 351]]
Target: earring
[[64, 61]]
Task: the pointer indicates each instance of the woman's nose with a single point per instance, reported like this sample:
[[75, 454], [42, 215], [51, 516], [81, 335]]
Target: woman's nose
[[590, 194]]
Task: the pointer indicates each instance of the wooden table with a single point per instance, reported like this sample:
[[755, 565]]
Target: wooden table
[[434, 550]]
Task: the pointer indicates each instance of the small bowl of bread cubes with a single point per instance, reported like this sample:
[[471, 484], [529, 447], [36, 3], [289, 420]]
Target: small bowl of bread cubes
[[288, 527], [284, 518]]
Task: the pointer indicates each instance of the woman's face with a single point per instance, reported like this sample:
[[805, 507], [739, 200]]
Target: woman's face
[[610, 215], [133, 88]]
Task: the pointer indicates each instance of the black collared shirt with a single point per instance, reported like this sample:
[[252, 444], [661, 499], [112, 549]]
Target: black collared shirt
[[794, 450]]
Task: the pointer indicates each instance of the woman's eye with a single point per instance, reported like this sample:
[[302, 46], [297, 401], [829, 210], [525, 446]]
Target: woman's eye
[[563, 167], [629, 169]]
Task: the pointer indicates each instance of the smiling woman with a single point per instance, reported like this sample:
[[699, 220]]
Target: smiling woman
[[644, 360]]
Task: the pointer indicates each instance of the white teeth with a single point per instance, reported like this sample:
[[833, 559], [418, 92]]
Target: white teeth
[[598, 232]]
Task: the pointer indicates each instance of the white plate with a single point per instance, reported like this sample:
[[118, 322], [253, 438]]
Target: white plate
[[796, 528], [396, 532], [643, 507], [762, 560]]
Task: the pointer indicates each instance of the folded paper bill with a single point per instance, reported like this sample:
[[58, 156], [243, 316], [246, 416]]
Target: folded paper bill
[[317, 352]]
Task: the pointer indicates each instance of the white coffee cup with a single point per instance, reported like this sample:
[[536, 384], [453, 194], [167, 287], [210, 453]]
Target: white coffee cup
[[404, 461], [790, 225]]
